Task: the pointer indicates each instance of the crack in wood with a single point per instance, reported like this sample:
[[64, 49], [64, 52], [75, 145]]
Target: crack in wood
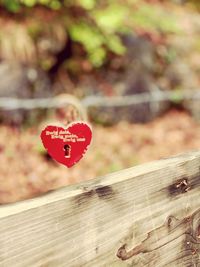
[[172, 229]]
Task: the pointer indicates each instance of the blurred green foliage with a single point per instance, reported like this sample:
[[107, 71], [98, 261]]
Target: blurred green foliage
[[177, 96], [154, 19], [98, 25]]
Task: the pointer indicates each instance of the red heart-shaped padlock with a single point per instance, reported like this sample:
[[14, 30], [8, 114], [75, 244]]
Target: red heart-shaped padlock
[[67, 145]]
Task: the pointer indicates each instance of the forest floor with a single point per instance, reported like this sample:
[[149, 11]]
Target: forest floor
[[26, 171]]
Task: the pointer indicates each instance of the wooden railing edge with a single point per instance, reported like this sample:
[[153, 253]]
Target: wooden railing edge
[[98, 182], [148, 215]]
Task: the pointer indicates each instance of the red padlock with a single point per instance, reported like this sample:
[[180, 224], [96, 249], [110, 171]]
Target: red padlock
[[67, 145]]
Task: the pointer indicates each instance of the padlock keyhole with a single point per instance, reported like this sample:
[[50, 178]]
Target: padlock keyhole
[[67, 150]]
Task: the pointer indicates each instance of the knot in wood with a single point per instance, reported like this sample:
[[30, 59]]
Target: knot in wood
[[180, 187], [183, 185]]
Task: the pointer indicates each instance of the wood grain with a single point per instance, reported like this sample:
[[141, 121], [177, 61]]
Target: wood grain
[[147, 215]]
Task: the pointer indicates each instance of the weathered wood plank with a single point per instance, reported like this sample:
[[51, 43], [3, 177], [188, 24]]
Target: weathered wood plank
[[148, 215]]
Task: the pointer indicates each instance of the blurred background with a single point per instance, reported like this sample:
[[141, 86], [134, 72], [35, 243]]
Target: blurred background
[[131, 67]]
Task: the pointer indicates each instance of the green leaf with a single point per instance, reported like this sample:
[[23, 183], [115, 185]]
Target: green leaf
[[89, 36], [97, 57], [56, 5], [29, 3], [115, 45], [44, 2], [112, 18], [12, 5], [87, 4]]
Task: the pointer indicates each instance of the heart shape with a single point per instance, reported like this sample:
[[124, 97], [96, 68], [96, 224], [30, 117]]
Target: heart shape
[[67, 145]]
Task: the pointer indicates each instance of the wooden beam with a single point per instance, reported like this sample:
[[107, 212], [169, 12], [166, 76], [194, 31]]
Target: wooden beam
[[147, 215]]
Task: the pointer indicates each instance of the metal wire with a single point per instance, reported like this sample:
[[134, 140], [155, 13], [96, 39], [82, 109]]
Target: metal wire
[[7, 103]]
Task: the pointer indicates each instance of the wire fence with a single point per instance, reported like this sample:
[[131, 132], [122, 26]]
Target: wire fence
[[8, 103]]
